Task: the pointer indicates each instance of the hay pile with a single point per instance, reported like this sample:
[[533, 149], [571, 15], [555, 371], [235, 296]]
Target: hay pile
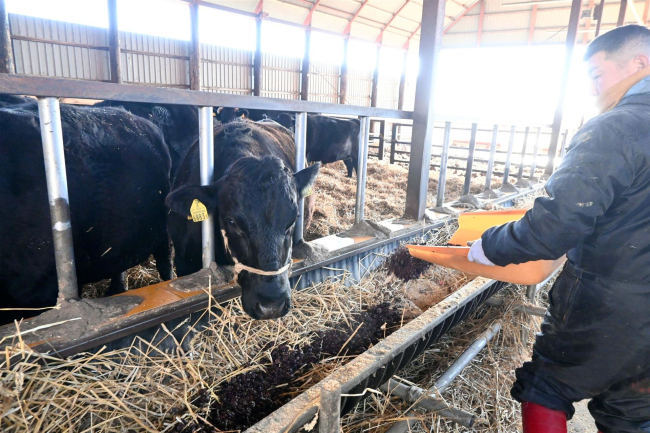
[[385, 194]]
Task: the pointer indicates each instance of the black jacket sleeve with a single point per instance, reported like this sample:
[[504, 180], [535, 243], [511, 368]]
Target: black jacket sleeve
[[597, 168]]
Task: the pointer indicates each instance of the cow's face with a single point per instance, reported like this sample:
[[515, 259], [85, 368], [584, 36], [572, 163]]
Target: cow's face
[[256, 205]]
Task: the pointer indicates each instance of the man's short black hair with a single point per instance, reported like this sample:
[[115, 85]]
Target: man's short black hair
[[621, 43]]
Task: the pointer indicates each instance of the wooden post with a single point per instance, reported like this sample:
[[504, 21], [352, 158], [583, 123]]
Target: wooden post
[[572, 33], [195, 47], [599, 16], [304, 73], [257, 59], [6, 51], [343, 85], [433, 15], [402, 82], [621, 13], [114, 52], [375, 79]]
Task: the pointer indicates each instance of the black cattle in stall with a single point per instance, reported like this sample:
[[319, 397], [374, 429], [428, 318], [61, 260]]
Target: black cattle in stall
[[117, 167], [253, 201], [179, 124], [8, 100], [227, 114]]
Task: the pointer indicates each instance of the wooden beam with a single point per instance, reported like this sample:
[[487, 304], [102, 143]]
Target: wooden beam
[[307, 21], [481, 20], [304, 72], [433, 13], [572, 33], [195, 47], [585, 35], [461, 15], [259, 8], [646, 8], [348, 27], [533, 23], [621, 13], [375, 79], [257, 58], [114, 55], [343, 84], [600, 10], [6, 51], [381, 34]]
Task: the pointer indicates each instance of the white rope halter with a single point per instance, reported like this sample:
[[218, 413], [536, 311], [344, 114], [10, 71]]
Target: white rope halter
[[242, 267]]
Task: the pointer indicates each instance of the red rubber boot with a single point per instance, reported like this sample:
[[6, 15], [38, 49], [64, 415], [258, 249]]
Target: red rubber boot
[[538, 419]]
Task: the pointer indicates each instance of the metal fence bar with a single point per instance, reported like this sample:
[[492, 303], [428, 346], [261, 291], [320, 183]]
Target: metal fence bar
[[470, 159], [520, 175], [362, 169], [511, 145], [300, 135], [493, 150], [382, 130], [442, 179], [206, 155], [393, 142], [57, 192], [535, 154]]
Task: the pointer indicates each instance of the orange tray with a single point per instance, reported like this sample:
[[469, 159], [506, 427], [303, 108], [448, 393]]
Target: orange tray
[[471, 227]]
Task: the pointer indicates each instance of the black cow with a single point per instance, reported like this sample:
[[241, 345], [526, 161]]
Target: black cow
[[8, 100], [117, 167], [179, 124], [328, 139], [254, 201], [227, 115]]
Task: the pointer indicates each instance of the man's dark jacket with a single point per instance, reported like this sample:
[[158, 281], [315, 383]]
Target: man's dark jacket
[[598, 204]]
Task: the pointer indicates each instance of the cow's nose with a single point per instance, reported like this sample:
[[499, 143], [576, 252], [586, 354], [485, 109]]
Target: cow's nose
[[271, 311]]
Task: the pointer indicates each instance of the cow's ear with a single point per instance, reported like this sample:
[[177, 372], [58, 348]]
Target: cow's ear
[[242, 112], [180, 200], [305, 180]]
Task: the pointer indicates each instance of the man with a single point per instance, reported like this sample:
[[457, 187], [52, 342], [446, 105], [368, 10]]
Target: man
[[595, 339]]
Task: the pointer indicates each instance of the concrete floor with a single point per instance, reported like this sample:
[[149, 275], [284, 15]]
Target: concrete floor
[[582, 422]]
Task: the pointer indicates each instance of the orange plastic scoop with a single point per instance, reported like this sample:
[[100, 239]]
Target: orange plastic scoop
[[471, 227]]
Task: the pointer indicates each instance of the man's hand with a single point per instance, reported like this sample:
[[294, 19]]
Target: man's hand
[[476, 253]]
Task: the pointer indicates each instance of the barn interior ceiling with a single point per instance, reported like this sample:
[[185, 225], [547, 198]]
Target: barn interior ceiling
[[468, 23]]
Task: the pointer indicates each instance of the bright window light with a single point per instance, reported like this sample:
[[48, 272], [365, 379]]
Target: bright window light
[[326, 48], [88, 12], [164, 18], [361, 55], [282, 40], [391, 61], [226, 29]]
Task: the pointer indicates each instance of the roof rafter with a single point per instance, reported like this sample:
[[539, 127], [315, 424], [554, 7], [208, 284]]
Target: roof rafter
[[461, 15], [311, 13], [381, 34], [348, 27]]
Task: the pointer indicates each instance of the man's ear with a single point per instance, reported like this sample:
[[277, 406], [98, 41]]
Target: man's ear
[[180, 200], [642, 61], [305, 180]]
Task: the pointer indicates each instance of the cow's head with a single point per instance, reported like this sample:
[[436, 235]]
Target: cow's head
[[227, 114], [256, 204]]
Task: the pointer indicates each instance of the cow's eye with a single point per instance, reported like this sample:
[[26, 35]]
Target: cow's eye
[[231, 223]]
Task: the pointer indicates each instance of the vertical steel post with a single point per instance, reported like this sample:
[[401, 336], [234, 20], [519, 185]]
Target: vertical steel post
[[511, 145], [329, 415], [6, 51], [433, 15], [599, 13], [343, 85], [493, 151], [520, 174], [300, 135], [304, 72], [470, 159], [393, 142], [375, 79], [382, 131], [57, 193], [206, 155], [257, 58], [195, 47], [533, 167], [444, 156], [572, 32], [114, 52], [621, 13], [362, 169]]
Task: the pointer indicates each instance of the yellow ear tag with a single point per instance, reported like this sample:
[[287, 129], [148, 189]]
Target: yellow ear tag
[[307, 192], [199, 211]]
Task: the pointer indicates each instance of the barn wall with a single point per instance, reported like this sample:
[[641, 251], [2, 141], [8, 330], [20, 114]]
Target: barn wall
[[324, 82]]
